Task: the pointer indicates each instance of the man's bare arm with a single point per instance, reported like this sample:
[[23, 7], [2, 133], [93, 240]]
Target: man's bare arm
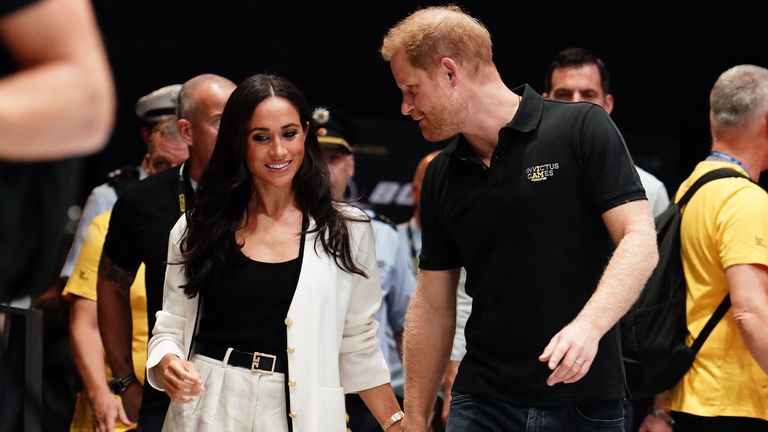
[[61, 102], [570, 352], [88, 354], [116, 326], [429, 328], [748, 285]]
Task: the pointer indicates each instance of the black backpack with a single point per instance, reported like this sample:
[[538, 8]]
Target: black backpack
[[653, 332]]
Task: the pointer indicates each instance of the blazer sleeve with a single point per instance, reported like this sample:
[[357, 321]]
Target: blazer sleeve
[[168, 334], [361, 362]]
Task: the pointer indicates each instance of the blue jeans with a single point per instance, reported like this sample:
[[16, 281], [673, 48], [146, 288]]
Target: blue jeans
[[473, 413]]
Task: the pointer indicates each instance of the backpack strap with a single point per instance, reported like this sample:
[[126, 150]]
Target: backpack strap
[[713, 320], [726, 303], [706, 178]]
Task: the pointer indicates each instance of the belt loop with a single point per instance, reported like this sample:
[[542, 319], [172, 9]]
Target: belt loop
[[225, 361]]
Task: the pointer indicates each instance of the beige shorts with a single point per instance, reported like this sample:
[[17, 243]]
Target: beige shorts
[[233, 399]]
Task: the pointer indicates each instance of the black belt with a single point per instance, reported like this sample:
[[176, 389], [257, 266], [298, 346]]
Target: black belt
[[248, 360]]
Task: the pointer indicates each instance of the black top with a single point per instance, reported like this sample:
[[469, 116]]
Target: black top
[[35, 199], [529, 232], [245, 304]]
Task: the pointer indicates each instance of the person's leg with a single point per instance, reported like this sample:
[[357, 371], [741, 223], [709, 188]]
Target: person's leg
[[154, 405], [634, 413], [360, 419], [436, 425], [603, 416], [473, 413]]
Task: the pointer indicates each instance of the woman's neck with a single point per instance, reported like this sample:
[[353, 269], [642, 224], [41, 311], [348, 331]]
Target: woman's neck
[[272, 202]]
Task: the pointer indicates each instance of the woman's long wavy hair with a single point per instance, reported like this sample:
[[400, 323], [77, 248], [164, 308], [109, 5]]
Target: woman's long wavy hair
[[226, 188]]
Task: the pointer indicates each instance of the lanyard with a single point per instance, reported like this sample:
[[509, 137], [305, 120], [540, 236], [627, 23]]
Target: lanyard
[[726, 157], [181, 190], [414, 255]]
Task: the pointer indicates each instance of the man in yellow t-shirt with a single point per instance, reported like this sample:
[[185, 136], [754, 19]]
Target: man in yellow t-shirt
[[96, 407], [86, 342], [724, 248]]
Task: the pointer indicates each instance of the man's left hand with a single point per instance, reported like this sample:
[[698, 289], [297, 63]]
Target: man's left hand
[[570, 352]]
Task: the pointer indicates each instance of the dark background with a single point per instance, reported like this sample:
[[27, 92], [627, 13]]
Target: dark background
[[663, 59]]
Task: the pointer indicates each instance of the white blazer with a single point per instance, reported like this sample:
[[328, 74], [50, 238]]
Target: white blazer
[[332, 344]]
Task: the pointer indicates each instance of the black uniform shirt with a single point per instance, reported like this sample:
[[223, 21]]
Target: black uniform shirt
[[140, 226]]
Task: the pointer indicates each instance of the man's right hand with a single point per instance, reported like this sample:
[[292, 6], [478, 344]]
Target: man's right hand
[[448, 379], [131, 398], [654, 424], [106, 408]]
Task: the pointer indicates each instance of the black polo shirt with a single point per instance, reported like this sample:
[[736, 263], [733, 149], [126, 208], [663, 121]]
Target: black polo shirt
[[528, 230]]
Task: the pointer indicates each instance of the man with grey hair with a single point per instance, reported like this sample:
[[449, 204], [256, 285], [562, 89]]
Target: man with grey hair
[[724, 245], [138, 233]]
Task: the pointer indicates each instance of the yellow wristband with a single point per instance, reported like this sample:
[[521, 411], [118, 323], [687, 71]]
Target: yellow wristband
[[394, 418]]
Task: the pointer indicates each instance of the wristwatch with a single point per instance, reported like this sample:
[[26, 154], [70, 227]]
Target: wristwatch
[[662, 415], [117, 385]]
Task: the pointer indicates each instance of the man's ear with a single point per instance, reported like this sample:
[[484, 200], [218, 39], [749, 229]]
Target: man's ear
[[145, 161], [351, 165], [185, 130], [145, 133], [608, 103], [450, 69]]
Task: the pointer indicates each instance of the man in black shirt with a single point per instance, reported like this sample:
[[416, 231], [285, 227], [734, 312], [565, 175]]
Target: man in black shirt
[[141, 222], [540, 202], [57, 60], [51, 60]]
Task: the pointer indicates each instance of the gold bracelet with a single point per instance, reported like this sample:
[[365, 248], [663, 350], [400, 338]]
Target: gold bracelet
[[394, 418]]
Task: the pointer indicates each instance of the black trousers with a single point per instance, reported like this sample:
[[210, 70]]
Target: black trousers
[[154, 405]]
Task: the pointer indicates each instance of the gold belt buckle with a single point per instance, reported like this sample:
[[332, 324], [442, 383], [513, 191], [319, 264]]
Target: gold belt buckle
[[257, 359]]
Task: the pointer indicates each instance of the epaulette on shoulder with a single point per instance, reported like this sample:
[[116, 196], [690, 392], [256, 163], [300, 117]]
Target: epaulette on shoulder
[[123, 177], [381, 218]]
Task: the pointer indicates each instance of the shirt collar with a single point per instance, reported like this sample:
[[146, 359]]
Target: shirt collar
[[528, 114], [526, 119]]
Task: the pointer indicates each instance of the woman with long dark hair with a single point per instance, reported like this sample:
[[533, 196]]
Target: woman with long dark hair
[[271, 286]]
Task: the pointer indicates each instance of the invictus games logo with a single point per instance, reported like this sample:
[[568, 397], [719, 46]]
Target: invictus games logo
[[541, 172]]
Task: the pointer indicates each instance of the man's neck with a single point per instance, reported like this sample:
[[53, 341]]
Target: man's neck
[[752, 159], [495, 106], [196, 168]]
